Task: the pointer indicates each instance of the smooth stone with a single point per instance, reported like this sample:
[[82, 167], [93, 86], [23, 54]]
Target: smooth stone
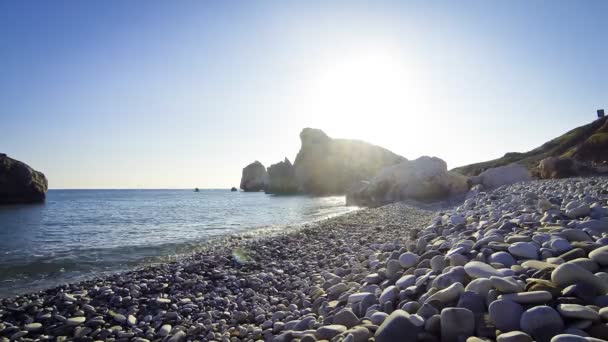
[[502, 258], [398, 327], [537, 265], [506, 284], [568, 274], [575, 235], [357, 297], [75, 320], [447, 295], [388, 295], [580, 211], [378, 317], [600, 255], [585, 263], [506, 314], [604, 313], [542, 323], [526, 250], [406, 281], [408, 259], [568, 338], [438, 263], [578, 312], [531, 297], [32, 327], [480, 286], [346, 318], [472, 301], [456, 324], [477, 269], [327, 332], [164, 330], [514, 336], [337, 289], [560, 245], [131, 320]]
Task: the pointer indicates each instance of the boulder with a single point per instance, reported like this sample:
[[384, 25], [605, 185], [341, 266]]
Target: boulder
[[502, 175], [19, 183], [553, 167], [254, 177], [282, 179], [331, 166], [423, 179]]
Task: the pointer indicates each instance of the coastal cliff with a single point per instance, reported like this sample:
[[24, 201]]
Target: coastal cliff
[[19, 183]]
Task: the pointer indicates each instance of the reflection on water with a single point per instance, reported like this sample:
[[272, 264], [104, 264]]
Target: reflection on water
[[79, 233]]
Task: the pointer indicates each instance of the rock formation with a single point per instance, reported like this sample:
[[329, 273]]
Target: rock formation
[[502, 175], [423, 179], [331, 166], [282, 179], [19, 183], [254, 178]]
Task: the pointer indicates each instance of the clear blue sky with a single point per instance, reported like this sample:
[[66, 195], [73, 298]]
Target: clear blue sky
[[178, 94]]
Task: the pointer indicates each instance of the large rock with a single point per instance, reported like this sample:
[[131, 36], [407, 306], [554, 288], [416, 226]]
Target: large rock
[[282, 178], [331, 166], [19, 183], [424, 179], [502, 175], [553, 167], [255, 177]]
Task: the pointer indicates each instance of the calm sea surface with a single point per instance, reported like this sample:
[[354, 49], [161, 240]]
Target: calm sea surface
[[82, 233]]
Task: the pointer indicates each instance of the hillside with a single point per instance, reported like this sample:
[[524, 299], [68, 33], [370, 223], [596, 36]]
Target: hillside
[[588, 143]]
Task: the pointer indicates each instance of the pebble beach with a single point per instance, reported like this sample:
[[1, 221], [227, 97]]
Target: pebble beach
[[523, 262]]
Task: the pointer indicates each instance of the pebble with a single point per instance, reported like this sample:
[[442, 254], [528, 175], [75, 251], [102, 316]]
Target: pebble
[[568, 274], [477, 269], [514, 336], [576, 311], [398, 327], [526, 250], [328, 332], [600, 255], [542, 323], [408, 259], [75, 320], [456, 324], [506, 314]]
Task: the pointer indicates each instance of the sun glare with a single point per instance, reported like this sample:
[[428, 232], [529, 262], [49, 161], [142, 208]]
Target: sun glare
[[347, 97]]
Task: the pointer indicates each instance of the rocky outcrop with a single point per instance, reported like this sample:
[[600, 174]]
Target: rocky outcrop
[[502, 175], [254, 177], [19, 183], [423, 179], [331, 166], [282, 179]]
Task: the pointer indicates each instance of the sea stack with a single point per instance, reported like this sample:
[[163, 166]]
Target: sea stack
[[19, 183], [282, 179], [254, 177], [331, 166]]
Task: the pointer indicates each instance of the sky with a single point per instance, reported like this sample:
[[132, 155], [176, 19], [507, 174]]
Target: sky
[[183, 94]]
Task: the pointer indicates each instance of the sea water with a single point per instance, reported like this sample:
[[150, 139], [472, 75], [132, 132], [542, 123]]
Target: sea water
[[79, 234]]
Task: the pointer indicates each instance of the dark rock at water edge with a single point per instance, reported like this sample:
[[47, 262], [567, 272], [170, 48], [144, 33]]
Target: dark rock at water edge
[[282, 179], [254, 177], [19, 183], [233, 189]]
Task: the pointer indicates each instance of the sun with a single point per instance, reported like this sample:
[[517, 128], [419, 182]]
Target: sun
[[360, 89]]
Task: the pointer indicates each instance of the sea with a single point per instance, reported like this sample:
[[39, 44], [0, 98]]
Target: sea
[[81, 234]]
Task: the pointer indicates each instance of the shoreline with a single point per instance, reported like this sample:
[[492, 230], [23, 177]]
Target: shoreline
[[105, 292], [19, 278], [523, 262]]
